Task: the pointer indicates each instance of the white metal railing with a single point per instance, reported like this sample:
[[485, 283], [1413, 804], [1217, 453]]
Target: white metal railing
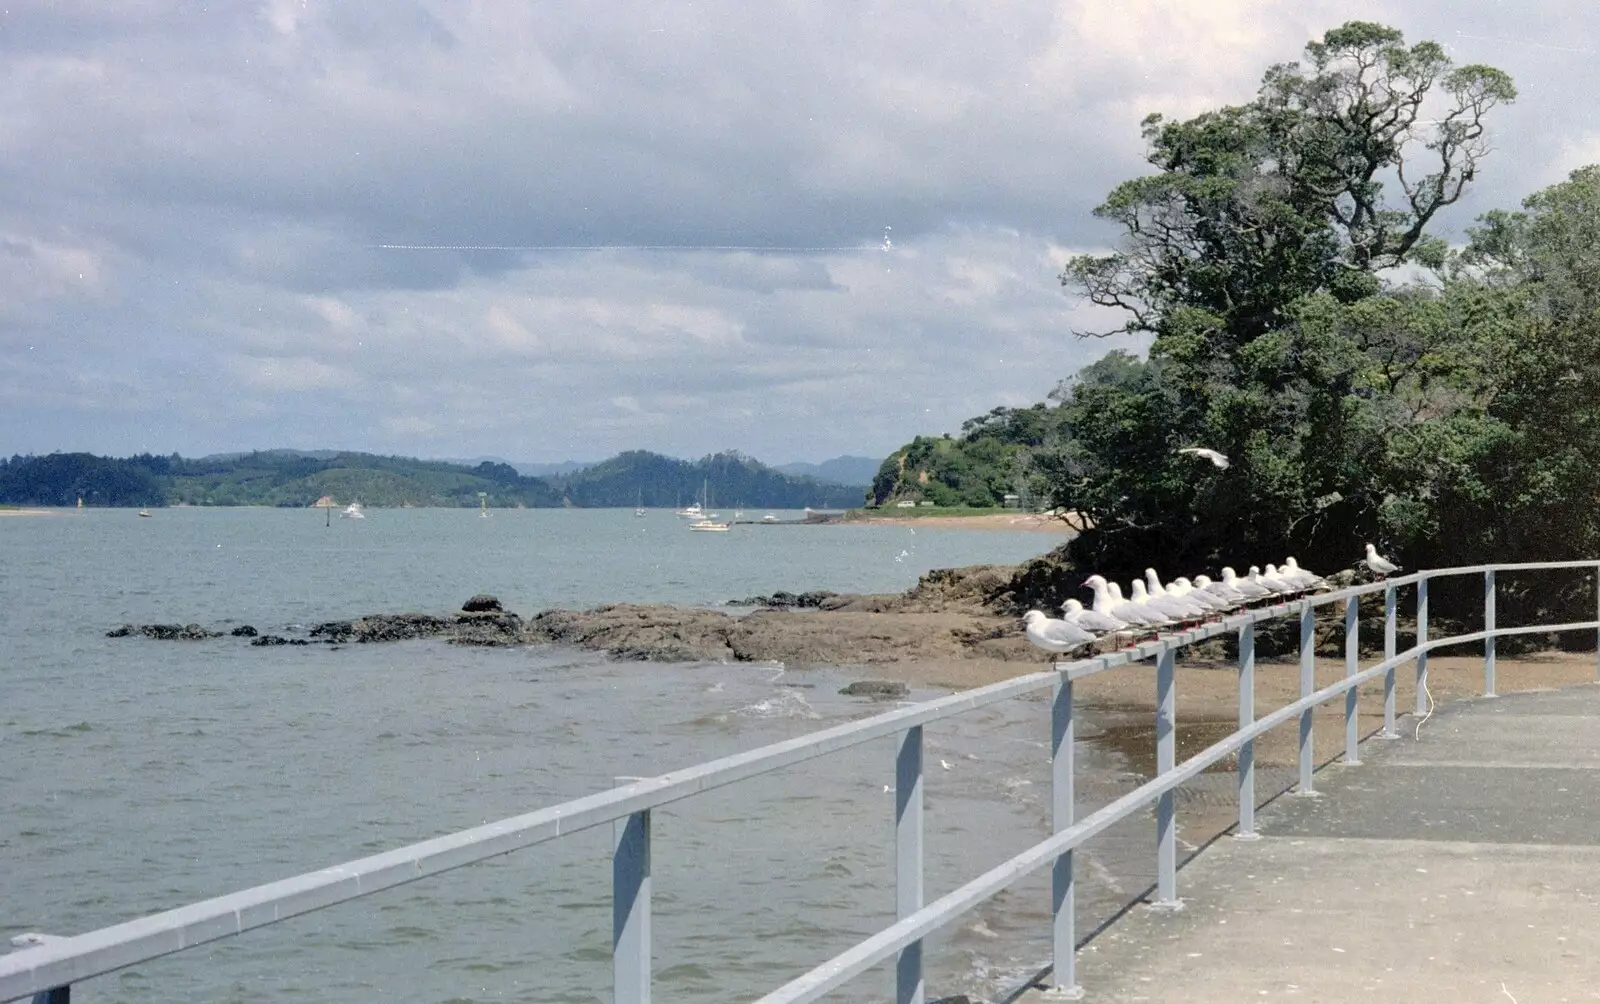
[[49, 969]]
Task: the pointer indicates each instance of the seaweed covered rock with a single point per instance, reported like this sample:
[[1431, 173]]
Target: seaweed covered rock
[[382, 627], [489, 629], [639, 631], [163, 632]]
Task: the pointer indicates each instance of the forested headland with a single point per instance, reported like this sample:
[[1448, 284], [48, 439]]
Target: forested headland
[[291, 478], [1365, 379]]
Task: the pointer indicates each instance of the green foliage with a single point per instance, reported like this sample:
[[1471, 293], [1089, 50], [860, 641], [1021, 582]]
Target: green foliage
[[280, 478], [1352, 409], [288, 478], [649, 479], [61, 479], [991, 458]]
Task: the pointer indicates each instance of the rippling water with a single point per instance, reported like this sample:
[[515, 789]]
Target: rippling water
[[137, 776]]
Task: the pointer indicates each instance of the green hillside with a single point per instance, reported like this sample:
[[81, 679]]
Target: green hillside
[[995, 455], [292, 479], [649, 479]]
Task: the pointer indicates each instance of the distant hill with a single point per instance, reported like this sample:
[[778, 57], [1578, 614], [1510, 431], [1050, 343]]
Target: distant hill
[[553, 470], [846, 470], [731, 479], [295, 478], [274, 478]]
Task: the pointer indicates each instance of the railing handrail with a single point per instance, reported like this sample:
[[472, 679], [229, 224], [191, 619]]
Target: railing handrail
[[62, 961]]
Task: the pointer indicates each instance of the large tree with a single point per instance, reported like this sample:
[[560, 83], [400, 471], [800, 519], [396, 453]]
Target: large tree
[[1255, 256]]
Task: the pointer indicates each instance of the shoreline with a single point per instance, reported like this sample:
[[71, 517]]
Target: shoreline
[[1004, 520]]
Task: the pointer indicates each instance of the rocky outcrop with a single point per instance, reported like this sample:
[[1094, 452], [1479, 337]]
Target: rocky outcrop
[[489, 629], [635, 631], [878, 690], [164, 632], [244, 631], [270, 640], [785, 600], [382, 627], [946, 616]]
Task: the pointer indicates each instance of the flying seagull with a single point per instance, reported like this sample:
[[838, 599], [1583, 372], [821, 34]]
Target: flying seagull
[[1211, 455], [1381, 566]]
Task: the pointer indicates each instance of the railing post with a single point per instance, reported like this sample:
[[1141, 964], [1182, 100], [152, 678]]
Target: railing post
[[1352, 660], [908, 860], [1247, 717], [1063, 880], [630, 909], [1388, 654], [1166, 760], [1422, 639], [1308, 686], [1488, 641]]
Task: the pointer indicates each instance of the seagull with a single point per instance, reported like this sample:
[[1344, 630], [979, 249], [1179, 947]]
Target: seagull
[[1244, 587], [1308, 579], [1152, 616], [1091, 620], [1131, 614], [1196, 609], [1054, 635], [1170, 606], [1272, 578], [1212, 455], [1182, 587], [1381, 567], [1221, 590], [1274, 587], [946, 764]]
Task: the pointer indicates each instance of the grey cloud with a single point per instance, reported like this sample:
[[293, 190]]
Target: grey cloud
[[192, 198]]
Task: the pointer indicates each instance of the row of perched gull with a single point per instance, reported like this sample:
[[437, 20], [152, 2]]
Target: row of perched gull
[[1150, 606]]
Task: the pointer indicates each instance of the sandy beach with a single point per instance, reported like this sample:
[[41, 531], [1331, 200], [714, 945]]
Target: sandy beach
[[1007, 520], [28, 512], [1208, 695]]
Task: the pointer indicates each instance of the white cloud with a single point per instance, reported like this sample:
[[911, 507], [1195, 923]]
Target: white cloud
[[221, 178]]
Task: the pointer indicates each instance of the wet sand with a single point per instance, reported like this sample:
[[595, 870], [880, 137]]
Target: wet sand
[[1208, 697]]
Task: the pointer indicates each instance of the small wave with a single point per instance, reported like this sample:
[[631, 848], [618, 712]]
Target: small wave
[[64, 732], [786, 703]]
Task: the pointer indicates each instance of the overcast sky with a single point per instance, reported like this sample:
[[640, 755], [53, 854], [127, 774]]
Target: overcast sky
[[195, 200]]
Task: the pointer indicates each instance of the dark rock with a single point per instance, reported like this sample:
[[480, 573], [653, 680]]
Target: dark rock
[[334, 631], [785, 600], [164, 632], [244, 631], [643, 632], [878, 690], [382, 627], [482, 603], [493, 629], [272, 639]]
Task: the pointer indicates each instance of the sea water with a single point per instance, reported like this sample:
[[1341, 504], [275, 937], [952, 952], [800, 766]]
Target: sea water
[[137, 776]]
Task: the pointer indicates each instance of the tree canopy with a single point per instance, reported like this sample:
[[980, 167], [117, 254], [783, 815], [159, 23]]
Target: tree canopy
[[1265, 256]]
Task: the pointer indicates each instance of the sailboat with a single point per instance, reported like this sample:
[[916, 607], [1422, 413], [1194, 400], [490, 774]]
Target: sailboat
[[638, 505], [709, 523]]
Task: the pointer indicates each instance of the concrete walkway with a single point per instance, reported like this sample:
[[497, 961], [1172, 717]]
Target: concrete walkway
[[1461, 867]]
